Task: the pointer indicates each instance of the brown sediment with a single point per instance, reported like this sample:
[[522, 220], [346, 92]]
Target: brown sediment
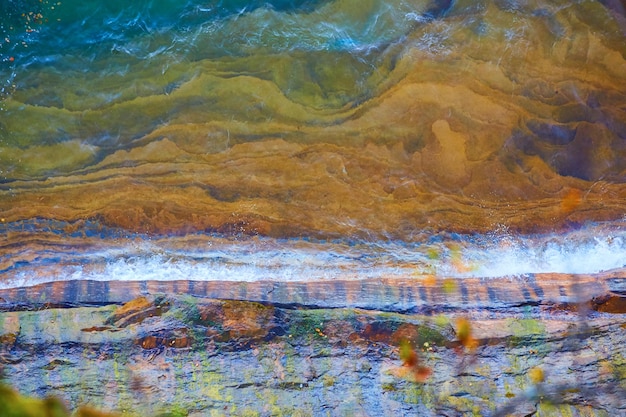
[[280, 193], [610, 303]]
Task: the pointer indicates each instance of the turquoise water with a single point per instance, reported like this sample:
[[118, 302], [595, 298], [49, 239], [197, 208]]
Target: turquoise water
[[84, 56], [114, 37], [199, 29]]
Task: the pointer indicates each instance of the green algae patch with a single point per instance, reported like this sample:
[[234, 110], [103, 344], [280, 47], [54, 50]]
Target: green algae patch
[[617, 365], [346, 326], [51, 326], [524, 330], [308, 324], [567, 410], [40, 160], [186, 309]]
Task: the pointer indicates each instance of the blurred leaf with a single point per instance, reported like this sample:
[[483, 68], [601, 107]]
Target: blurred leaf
[[411, 362], [464, 334], [536, 375]]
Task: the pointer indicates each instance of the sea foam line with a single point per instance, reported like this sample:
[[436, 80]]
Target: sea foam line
[[590, 250]]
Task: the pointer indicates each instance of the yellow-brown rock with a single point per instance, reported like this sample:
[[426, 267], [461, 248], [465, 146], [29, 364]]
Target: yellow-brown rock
[[135, 311]]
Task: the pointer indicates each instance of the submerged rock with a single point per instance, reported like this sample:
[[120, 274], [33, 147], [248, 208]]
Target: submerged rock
[[473, 116]]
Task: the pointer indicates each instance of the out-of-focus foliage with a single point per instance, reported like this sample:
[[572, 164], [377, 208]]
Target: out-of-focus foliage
[[464, 334], [411, 362], [14, 405]]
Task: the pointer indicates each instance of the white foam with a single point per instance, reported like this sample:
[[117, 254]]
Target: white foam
[[551, 255], [590, 250]]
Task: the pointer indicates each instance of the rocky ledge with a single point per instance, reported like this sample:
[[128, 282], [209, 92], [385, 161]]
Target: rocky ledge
[[191, 355]]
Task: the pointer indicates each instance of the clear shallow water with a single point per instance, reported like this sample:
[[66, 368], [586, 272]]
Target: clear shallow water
[[216, 27], [107, 74], [117, 42], [385, 120]]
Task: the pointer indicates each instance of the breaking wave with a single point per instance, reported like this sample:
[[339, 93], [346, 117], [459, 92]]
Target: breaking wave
[[589, 250]]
